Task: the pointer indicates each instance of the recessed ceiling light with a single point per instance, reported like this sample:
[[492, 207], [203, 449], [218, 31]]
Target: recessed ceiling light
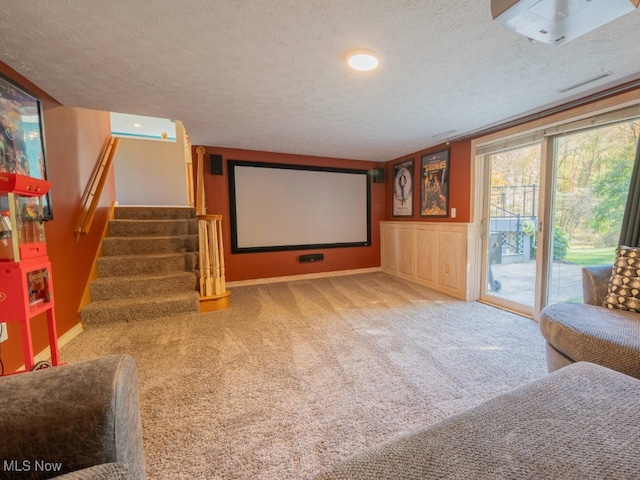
[[362, 60], [137, 125]]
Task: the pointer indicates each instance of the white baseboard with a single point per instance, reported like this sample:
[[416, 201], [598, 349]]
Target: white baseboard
[[306, 276], [45, 355]]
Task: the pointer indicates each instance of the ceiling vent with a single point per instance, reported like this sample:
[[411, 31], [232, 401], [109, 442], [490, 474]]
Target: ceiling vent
[[558, 21], [585, 82]]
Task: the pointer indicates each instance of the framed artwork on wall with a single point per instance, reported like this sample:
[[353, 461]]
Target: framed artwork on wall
[[403, 189], [434, 184], [22, 136]]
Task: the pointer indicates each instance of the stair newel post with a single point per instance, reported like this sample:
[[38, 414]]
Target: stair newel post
[[213, 292], [223, 286], [206, 282], [201, 208]]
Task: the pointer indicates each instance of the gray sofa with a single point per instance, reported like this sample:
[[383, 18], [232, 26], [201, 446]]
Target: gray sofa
[[590, 332], [72, 422], [581, 422]]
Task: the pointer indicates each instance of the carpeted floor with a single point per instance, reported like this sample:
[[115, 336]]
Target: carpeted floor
[[298, 375]]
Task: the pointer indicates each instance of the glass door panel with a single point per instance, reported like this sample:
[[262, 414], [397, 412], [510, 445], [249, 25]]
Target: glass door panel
[[592, 172], [511, 227]]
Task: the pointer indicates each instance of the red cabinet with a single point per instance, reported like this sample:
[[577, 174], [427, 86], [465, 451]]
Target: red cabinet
[[26, 286]]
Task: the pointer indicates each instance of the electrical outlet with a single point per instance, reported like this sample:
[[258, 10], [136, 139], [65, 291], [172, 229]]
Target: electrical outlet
[[3, 332]]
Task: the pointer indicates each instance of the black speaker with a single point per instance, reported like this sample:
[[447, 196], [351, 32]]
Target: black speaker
[[377, 174], [215, 164], [311, 257]]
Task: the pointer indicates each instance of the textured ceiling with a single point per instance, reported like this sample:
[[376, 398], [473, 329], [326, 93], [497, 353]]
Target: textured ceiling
[[270, 75]]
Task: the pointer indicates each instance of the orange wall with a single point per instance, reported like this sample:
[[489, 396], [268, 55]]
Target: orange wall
[[459, 183], [75, 139], [245, 266]]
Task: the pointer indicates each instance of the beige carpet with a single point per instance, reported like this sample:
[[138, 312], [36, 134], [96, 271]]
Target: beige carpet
[[298, 375]]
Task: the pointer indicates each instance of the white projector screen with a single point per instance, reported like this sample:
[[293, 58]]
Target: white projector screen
[[292, 207]]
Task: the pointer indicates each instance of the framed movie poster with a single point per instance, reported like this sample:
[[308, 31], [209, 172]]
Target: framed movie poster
[[22, 136], [434, 184], [403, 189]]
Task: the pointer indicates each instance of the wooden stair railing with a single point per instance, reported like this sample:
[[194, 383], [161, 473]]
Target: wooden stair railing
[[91, 196], [213, 291], [212, 268]]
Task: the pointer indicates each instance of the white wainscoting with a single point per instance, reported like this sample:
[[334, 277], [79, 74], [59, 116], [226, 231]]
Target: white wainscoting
[[438, 255]]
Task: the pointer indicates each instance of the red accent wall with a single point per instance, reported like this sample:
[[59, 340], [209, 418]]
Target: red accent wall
[[246, 266], [459, 183], [75, 139]]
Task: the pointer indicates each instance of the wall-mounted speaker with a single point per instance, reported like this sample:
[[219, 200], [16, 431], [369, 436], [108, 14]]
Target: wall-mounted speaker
[[377, 174], [215, 164]]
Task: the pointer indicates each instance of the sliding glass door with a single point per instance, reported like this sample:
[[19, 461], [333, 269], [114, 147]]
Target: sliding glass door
[[553, 203], [511, 222], [592, 173]]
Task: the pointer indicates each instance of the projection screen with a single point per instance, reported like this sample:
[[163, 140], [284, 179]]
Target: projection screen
[[293, 207]]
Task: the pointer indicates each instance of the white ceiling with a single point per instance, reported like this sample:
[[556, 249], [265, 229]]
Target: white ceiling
[[270, 75]]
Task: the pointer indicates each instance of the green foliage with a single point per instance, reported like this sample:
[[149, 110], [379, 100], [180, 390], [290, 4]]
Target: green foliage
[[611, 191], [592, 179], [560, 243]]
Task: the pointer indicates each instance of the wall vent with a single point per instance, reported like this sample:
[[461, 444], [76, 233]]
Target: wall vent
[[445, 134]]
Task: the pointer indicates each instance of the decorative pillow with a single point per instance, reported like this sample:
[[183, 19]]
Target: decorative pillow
[[624, 286]]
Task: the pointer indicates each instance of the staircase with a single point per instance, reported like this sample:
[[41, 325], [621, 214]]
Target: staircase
[[148, 266]]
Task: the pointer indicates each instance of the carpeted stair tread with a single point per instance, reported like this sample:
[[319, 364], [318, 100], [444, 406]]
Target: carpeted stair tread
[[154, 213], [120, 287], [127, 265], [148, 228], [147, 269], [101, 312], [121, 246]]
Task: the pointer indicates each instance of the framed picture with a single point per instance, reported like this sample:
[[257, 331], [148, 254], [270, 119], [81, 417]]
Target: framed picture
[[434, 184], [403, 189], [22, 136]]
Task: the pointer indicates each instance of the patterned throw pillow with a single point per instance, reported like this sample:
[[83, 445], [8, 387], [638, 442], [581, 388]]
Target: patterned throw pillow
[[624, 286]]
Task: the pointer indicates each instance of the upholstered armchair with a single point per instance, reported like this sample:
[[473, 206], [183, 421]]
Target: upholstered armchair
[[595, 282], [590, 332], [72, 422]]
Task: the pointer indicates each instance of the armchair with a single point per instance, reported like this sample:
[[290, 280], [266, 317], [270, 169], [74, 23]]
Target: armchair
[[77, 422], [590, 332]]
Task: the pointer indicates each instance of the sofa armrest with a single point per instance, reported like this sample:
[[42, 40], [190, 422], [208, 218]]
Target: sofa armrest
[[71, 417], [106, 471], [595, 282]]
